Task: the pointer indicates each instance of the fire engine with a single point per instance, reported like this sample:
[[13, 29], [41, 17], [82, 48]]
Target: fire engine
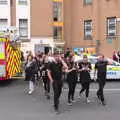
[[10, 58]]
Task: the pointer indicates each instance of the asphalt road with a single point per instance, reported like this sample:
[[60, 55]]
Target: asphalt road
[[16, 104]]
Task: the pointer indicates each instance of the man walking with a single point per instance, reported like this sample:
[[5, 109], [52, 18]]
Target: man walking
[[55, 75], [101, 69], [72, 76], [85, 79]]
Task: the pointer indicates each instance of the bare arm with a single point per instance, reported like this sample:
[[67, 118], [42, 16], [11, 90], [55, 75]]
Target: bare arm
[[64, 65], [70, 70], [95, 72], [81, 68], [49, 75], [109, 62]]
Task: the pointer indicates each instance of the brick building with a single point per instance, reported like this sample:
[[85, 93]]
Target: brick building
[[93, 25]]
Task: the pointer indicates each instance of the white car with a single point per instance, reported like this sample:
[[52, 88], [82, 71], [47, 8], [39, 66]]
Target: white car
[[113, 70]]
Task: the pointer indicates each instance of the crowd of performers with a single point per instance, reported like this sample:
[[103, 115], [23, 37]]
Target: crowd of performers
[[55, 69]]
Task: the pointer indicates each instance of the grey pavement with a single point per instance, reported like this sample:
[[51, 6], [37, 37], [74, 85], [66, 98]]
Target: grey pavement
[[16, 104]]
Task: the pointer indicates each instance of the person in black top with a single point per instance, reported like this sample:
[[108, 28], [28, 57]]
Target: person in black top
[[71, 79], [39, 62], [55, 75], [85, 79], [30, 71], [46, 80], [67, 53], [101, 68], [38, 68], [118, 56]]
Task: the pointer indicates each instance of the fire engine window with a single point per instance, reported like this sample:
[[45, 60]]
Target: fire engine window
[[2, 51], [2, 70]]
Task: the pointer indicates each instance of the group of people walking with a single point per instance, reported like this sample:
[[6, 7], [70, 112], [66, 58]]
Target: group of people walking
[[116, 56], [52, 69]]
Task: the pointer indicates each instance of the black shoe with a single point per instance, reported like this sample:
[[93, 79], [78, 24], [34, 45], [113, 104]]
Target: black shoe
[[98, 96], [80, 96], [69, 103], [103, 103], [48, 97], [57, 112], [73, 100], [46, 93]]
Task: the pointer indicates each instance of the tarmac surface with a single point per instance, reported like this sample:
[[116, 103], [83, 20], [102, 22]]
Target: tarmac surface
[[16, 104]]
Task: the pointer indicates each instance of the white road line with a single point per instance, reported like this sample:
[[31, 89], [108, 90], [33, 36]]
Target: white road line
[[95, 90], [105, 90]]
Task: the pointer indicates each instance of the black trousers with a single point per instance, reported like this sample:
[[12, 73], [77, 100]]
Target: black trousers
[[85, 87], [46, 82], [101, 83], [72, 85], [36, 77], [57, 89], [100, 93]]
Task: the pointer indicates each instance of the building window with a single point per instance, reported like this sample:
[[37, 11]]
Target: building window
[[111, 26], [23, 28], [3, 24], [2, 2], [22, 2], [88, 29], [87, 1], [58, 33], [57, 11]]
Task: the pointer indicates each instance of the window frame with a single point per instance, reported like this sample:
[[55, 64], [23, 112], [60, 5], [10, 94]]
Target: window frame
[[23, 2], [58, 37], [23, 28], [6, 20], [87, 37], [57, 14], [108, 28], [3, 2]]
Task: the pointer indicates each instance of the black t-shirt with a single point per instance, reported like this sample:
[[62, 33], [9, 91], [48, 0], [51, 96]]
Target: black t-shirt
[[44, 71], [101, 66], [85, 75], [56, 70], [39, 64], [67, 54], [71, 65]]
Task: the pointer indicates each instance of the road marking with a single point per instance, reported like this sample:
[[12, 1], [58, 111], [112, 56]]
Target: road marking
[[95, 90]]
